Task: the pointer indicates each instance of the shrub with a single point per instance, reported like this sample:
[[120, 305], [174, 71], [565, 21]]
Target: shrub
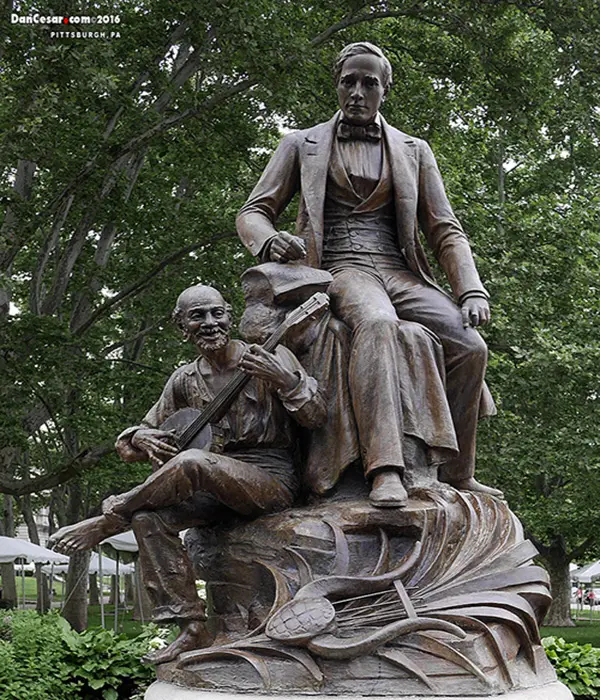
[[576, 665], [41, 657]]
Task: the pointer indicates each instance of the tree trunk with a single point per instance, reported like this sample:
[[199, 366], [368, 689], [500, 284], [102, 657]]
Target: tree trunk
[[113, 590], [43, 590], [557, 563], [75, 608], [7, 528], [94, 593], [129, 593], [43, 598]]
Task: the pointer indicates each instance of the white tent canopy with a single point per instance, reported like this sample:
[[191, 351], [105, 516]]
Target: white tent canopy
[[109, 567], [125, 542], [588, 573], [12, 548]]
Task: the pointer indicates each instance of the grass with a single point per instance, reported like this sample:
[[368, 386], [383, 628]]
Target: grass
[[586, 631], [31, 589], [126, 624]]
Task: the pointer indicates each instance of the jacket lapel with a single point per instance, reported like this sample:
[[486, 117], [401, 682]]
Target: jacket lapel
[[315, 155], [402, 151]]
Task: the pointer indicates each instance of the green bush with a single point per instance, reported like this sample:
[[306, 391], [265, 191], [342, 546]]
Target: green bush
[[41, 657], [576, 665]]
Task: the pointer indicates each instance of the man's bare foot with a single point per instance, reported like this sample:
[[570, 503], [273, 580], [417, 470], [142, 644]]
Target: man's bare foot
[[193, 635], [472, 484], [84, 535], [387, 490]]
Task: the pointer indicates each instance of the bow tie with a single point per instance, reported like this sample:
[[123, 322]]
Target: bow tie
[[351, 132]]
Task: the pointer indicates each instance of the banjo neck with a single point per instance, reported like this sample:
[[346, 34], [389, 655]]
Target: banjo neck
[[215, 409]]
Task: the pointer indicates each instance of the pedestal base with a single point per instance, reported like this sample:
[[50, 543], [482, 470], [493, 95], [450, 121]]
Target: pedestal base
[[168, 691]]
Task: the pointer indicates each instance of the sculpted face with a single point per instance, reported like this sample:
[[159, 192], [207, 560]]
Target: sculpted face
[[205, 318], [361, 88]]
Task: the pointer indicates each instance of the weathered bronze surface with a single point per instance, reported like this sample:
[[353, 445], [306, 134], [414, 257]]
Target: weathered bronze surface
[[438, 598], [327, 478], [362, 197], [248, 469]]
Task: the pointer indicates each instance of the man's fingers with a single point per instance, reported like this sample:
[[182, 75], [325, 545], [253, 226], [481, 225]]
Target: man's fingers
[[160, 446], [253, 364], [295, 243], [465, 316], [293, 252], [287, 247]]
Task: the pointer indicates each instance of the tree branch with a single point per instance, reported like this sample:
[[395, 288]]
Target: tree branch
[[579, 551], [81, 462], [543, 549], [138, 336], [354, 19], [145, 280]]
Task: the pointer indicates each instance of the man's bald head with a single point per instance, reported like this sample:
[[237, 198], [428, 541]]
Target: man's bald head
[[199, 293], [204, 317]]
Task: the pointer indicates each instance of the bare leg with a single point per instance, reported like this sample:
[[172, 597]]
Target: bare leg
[[471, 484], [245, 488]]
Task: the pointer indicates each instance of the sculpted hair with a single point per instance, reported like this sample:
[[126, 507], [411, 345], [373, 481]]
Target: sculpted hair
[[357, 49]]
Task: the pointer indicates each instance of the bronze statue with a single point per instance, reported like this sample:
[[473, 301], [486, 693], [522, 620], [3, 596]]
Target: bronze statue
[[365, 188], [248, 470], [332, 595]]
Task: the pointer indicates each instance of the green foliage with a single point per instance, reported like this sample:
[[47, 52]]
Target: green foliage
[[576, 665], [41, 657], [139, 174]]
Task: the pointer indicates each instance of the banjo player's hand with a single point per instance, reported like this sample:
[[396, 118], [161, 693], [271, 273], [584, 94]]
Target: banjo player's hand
[[260, 363], [155, 443], [284, 248]]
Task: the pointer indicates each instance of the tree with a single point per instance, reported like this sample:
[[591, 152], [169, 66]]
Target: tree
[[123, 163]]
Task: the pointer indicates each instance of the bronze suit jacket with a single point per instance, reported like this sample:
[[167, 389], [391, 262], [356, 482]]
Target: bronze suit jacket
[[301, 162]]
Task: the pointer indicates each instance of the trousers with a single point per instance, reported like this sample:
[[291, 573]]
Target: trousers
[[373, 297], [196, 488]]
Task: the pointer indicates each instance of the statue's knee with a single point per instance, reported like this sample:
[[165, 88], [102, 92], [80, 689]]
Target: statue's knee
[[414, 334], [190, 461], [379, 325], [143, 522], [477, 348]]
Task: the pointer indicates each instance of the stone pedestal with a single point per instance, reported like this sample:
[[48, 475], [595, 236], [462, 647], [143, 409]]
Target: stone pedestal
[[436, 599], [168, 691]]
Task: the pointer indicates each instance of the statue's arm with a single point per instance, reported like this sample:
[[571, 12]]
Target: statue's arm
[[125, 445], [443, 231], [305, 402], [279, 182]]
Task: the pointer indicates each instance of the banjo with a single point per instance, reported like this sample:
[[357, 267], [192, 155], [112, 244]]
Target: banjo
[[191, 427]]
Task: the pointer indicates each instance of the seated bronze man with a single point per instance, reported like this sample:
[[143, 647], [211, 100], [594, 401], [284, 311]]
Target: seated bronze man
[[248, 471], [365, 190]]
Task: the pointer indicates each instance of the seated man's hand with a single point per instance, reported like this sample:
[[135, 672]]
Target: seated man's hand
[[266, 366], [475, 312], [155, 443], [284, 248]]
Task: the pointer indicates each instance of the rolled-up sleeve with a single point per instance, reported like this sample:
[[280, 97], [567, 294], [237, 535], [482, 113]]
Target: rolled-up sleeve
[[305, 401]]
